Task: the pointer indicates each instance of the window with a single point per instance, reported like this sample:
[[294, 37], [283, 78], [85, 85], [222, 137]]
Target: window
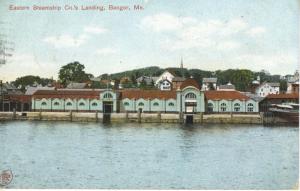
[[126, 104], [141, 104], [223, 107], [94, 104], [56, 103], [190, 96], [81, 104], [250, 107], [44, 103], [155, 104], [237, 107], [69, 104], [107, 95], [210, 107], [171, 104]]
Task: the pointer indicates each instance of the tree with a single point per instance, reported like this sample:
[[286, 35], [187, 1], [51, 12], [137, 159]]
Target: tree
[[283, 85], [26, 81], [72, 72]]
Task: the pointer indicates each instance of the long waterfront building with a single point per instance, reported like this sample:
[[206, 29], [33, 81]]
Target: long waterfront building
[[187, 98]]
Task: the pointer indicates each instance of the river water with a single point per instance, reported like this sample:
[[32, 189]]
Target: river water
[[149, 156]]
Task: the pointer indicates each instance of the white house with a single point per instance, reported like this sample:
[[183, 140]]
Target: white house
[[166, 75], [165, 85], [267, 88]]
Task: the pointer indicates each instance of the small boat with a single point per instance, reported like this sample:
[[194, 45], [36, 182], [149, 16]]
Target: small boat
[[286, 111]]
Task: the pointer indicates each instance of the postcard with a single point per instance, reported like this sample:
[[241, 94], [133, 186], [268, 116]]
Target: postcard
[[149, 94]]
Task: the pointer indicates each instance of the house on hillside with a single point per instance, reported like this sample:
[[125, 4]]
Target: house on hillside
[[267, 88], [165, 85], [176, 82], [293, 83], [209, 84], [168, 75], [75, 85], [147, 80], [227, 87]]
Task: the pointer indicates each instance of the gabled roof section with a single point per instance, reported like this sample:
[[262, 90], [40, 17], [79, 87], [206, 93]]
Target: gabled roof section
[[219, 95], [74, 94], [209, 80], [190, 82], [148, 94], [283, 96], [75, 85], [178, 79]]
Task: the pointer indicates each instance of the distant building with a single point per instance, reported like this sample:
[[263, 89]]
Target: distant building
[[31, 90], [176, 82], [278, 99], [165, 75], [293, 83], [209, 84], [165, 85], [75, 85], [147, 79], [226, 87], [267, 88]]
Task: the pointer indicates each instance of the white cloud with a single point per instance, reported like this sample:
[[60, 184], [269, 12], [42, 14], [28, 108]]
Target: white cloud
[[95, 30], [188, 32], [28, 64], [273, 62], [106, 51], [164, 22], [65, 40], [227, 45], [256, 31]]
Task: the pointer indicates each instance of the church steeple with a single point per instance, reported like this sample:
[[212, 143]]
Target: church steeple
[[181, 63], [181, 67]]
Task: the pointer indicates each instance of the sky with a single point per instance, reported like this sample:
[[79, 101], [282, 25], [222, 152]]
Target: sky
[[206, 34]]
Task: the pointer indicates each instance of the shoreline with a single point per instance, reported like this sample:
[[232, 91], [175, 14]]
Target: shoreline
[[198, 118]]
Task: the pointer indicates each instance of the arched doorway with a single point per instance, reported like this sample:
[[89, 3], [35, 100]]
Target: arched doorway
[[190, 102]]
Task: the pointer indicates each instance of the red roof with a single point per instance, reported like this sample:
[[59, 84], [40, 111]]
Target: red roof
[[20, 98], [219, 95], [72, 94], [283, 96], [148, 94], [190, 82]]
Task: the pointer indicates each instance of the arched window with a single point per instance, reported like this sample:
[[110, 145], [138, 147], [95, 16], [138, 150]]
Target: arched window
[[44, 103], [210, 107], [223, 107], [69, 104], [56, 103], [171, 104], [155, 104], [237, 107], [81, 104], [107, 95], [141, 104], [126, 104], [250, 107], [190, 96], [94, 104]]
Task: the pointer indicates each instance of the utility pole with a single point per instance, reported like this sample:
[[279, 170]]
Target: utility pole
[[6, 46]]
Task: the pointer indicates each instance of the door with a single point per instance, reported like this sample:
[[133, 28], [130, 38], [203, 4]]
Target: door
[[107, 107]]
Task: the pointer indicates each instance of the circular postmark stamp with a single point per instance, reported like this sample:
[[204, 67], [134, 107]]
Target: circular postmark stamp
[[6, 177]]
